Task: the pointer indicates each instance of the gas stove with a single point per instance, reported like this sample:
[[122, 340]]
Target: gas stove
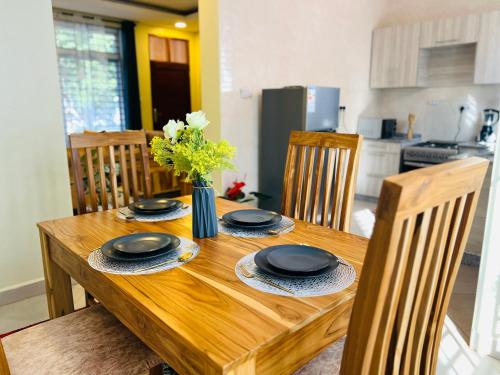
[[428, 153]]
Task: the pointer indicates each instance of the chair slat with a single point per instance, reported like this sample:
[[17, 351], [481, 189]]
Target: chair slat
[[91, 178], [317, 185], [312, 190], [124, 175], [300, 180], [102, 177], [330, 167], [113, 177], [306, 201], [145, 170], [337, 189], [133, 168], [290, 169]]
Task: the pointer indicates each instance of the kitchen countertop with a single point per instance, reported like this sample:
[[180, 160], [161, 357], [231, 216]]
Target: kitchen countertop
[[399, 138]]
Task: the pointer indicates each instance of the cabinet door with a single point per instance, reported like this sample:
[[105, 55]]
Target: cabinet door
[[450, 31], [487, 68], [395, 56]]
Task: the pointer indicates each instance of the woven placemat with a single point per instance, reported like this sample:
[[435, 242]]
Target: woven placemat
[[286, 225], [100, 262], [176, 214], [340, 278]]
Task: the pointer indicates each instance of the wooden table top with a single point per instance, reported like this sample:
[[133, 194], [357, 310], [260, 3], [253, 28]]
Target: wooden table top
[[201, 317]]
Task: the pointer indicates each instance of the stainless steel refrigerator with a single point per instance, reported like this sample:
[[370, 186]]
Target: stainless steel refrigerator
[[310, 108]]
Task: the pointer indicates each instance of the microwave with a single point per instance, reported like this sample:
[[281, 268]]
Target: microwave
[[377, 127]]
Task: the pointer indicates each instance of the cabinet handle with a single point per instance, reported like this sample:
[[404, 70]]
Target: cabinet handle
[[447, 41]]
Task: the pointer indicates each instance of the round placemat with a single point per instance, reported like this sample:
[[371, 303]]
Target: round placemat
[[176, 214], [100, 262], [286, 225], [340, 278]]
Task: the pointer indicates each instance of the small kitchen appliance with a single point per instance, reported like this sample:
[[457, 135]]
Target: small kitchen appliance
[[376, 127], [491, 117]]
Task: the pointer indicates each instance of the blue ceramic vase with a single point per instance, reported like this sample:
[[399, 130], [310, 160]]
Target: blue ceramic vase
[[204, 215]]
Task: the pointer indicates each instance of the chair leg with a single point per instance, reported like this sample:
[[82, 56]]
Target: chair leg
[[157, 370], [89, 299]]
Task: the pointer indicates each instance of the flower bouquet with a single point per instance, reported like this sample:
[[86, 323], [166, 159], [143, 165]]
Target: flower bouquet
[[185, 150]]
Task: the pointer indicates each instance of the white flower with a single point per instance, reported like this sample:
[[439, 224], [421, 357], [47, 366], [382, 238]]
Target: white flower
[[197, 120], [172, 128]]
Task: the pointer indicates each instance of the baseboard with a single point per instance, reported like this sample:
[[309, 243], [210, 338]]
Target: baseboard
[[22, 291]]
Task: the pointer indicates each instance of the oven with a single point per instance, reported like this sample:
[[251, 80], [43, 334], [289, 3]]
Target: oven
[[427, 154]]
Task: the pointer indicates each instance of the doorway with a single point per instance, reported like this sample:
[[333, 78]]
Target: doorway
[[170, 92], [170, 81]]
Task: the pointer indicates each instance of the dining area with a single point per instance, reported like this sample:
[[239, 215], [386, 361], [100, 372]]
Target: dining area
[[199, 284]]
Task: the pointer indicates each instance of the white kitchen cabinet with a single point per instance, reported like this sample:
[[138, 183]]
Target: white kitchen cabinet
[[395, 56], [379, 159], [487, 67], [450, 31]]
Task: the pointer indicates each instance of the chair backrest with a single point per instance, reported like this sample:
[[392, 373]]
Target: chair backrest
[[94, 166], [320, 177], [423, 222]]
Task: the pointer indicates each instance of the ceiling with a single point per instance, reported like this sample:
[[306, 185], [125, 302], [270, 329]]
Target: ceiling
[[181, 7], [162, 13]]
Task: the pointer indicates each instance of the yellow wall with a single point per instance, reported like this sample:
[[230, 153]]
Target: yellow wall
[[142, 48]]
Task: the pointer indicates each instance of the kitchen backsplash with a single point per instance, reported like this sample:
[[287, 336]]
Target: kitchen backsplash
[[437, 109]]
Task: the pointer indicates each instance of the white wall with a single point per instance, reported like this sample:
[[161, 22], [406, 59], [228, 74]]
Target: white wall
[[34, 177], [266, 44], [436, 108]]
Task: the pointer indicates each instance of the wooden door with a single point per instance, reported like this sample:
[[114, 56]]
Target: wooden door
[[488, 49], [395, 56], [170, 92], [449, 31]]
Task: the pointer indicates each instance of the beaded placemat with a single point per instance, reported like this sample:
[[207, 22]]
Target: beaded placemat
[[340, 278], [122, 213], [286, 225], [100, 262]]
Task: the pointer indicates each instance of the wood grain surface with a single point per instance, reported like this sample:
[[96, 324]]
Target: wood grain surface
[[200, 318]]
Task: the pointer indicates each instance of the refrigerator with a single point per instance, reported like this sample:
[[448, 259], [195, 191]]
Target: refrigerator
[[307, 108]]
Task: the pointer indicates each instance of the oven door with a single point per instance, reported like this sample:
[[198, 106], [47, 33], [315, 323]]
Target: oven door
[[409, 165]]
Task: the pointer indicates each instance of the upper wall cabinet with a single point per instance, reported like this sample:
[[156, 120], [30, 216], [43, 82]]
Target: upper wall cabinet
[[395, 56], [450, 31], [487, 69]]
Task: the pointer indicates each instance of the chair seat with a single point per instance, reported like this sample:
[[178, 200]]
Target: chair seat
[[90, 341], [327, 362]]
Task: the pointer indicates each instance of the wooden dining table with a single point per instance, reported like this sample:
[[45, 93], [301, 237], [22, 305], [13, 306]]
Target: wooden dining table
[[199, 317]]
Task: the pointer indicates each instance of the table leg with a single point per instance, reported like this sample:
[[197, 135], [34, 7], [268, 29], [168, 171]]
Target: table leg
[[57, 283]]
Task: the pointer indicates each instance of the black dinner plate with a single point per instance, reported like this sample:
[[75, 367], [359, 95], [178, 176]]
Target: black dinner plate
[[140, 246], [253, 218], [155, 206], [295, 261]]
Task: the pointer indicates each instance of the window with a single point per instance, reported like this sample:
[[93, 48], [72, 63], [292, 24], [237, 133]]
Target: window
[[90, 75]]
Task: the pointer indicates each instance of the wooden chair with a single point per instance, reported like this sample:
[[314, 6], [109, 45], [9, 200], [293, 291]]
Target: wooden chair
[[89, 341], [320, 177], [98, 153], [423, 222]]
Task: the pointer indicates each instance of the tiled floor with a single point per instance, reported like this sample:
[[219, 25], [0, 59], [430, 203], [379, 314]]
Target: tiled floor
[[31, 310]]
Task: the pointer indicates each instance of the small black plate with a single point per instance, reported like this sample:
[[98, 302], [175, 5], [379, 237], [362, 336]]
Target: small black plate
[[140, 246], [295, 261], [155, 206], [252, 218]]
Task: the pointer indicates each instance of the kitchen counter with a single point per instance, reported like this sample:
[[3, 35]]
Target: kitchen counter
[[399, 138]]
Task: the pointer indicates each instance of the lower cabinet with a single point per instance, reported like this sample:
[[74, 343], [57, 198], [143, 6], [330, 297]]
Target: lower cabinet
[[379, 159]]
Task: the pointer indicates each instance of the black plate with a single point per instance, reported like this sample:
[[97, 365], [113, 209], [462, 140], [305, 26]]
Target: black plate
[[295, 261], [155, 206], [139, 246], [252, 218]]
